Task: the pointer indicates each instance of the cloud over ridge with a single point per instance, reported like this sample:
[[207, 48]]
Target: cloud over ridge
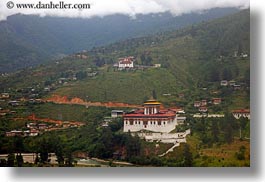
[[127, 7]]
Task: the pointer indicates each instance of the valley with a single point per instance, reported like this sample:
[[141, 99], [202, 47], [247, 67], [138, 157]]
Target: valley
[[202, 70]]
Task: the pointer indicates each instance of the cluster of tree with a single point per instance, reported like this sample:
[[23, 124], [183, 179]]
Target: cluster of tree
[[12, 160], [225, 35], [146, 60], [184, 158], [100, 61], [80, 75], [240, 155], [219, 130], [216, 71]]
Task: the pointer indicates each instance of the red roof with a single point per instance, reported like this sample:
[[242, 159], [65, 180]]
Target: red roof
[[161, 113], [126, 60], [241, 111], [158, 115]]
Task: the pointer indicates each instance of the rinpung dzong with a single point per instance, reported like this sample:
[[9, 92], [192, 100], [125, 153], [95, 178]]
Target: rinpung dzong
[[151, 118]]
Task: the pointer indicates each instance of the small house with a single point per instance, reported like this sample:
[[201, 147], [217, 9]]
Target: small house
[[157, 65], [42, 126], [232, 83], [224, 83], [126, 62], [31, 125], [216, 101], [117, 113], [5, 95], [203, 102], [197, 104], [181, 95], [47, 89], [14, 133], [33, 132], [245, 113], [244, 55], [237, 87], [181, 119], [203, 109], [92, 74], [13, 103]]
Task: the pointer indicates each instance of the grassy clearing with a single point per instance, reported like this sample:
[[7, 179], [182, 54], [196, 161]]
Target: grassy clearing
[[123, 86], [69, 112]]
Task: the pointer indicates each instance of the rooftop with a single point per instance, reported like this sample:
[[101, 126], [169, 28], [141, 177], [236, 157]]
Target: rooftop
[[152, 102], [161, 113], [241, 111]]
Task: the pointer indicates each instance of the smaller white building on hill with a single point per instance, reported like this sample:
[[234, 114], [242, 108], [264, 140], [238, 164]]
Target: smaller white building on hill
[[126, 62]]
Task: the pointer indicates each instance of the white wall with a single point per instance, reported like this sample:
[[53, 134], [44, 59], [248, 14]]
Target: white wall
[[151, 126]]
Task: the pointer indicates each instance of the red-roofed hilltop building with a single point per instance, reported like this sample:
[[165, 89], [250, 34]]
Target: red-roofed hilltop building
[[126, 62], [241, 113], [151, 117]]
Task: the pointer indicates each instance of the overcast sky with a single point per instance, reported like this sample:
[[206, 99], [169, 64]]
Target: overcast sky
[[126, 7]]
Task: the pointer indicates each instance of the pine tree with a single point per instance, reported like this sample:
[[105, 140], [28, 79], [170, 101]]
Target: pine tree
[[188, 159], [215, 131]]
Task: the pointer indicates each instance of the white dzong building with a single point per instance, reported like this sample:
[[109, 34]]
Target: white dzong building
[[151, 118]]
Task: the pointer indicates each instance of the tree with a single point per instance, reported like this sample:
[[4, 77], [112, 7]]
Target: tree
[[116, 125], [227, 74], [154, 94], [37, 159], [247, 77], [104, 147], [69, 158], [11, 160], [187, 155], [228, 135], [44, 150], [132, 145], [3, 163], [149, 61], [81, 75], [59, 154], [143, 60], [215, 131], [213, 74], [19, 145], [241, 154], [19, 159], [57, 147], [242, 125]]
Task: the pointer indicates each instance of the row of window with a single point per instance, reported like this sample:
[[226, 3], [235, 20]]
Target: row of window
[[148, 123]]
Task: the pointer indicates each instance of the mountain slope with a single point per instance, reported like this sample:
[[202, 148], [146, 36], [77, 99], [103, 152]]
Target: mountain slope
[[30, 40], [193, 61]]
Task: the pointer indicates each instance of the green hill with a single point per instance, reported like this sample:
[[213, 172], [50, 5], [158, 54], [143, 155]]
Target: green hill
[[193, 61], [27, 40]]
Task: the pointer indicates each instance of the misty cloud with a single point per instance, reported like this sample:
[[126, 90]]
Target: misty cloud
[[127, 7]]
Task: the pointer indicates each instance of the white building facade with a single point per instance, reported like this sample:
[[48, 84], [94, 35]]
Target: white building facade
[[245, 113], [151, 118], [126, 62]]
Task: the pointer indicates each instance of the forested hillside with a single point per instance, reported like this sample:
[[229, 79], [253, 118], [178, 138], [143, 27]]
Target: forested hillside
[[196, 57], [177, 67], [27, 40]]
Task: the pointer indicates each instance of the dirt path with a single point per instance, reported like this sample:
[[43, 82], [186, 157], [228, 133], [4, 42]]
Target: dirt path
[[65, 100]]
